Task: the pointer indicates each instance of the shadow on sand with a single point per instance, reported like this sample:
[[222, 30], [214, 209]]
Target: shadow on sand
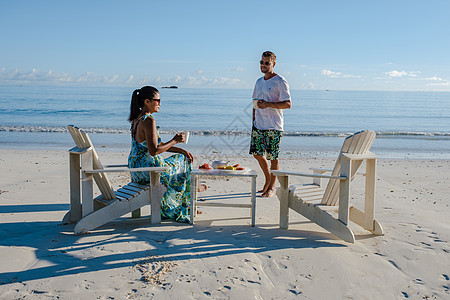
[[125, 242]]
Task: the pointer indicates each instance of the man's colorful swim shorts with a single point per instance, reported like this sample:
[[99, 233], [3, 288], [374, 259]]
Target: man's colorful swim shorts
[[265, 142]]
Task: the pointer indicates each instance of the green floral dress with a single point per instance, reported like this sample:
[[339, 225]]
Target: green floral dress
[[175, 202]]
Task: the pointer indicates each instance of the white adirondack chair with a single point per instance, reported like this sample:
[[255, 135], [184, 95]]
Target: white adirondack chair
[[88, 212], [315, 203]]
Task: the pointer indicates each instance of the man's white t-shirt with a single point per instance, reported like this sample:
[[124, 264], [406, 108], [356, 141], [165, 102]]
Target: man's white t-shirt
[[276, 89]]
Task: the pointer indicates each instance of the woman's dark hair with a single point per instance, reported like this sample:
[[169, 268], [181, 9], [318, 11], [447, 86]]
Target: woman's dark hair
[[138, 99]]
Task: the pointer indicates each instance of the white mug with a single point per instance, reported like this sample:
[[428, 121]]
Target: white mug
[[186, 137], [255, 103]]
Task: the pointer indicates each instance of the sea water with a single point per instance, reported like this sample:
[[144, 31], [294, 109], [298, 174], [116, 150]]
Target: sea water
[[408, 124]]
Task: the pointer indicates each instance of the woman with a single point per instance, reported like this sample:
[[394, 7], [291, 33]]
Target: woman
[[146, 149]]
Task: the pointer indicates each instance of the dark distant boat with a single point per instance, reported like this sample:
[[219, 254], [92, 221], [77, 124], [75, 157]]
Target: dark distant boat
[[170, 87]]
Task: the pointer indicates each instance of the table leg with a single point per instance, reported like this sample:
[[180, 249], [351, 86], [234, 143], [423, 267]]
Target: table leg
[[193, 198], [253, 210]]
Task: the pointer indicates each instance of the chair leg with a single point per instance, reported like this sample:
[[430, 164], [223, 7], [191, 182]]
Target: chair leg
[[74, 214], [157, 190], [136, 213], [105, 215], [283, 196], [322, 218], [344, 190], [193, 204], [369, 203], [336, 227], [87, 187]]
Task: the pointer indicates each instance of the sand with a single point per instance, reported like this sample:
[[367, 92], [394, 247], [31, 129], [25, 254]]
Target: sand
[[221, 256]]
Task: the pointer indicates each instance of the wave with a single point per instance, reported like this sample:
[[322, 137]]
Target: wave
[[105, 130]]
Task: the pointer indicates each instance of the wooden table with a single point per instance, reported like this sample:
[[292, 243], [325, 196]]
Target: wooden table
[[195, 174]]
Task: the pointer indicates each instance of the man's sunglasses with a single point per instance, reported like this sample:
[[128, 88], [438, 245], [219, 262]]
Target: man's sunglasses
[[264, 63]]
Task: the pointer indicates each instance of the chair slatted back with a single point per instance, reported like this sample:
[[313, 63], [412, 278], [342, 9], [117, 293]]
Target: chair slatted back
[[83, 141], [358, 143]]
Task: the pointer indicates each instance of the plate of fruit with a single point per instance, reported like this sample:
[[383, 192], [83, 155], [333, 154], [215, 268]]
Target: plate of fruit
[[205, 167], [232, 169]]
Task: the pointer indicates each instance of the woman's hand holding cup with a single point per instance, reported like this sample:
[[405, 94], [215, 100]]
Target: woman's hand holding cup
[[179, 137], [182, 137]]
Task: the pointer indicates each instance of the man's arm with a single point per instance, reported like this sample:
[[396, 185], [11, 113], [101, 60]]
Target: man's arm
[[278, 105]]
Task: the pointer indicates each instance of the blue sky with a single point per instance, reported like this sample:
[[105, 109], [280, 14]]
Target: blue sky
[[349, 45]]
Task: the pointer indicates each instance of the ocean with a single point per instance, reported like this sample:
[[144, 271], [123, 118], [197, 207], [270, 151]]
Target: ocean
[[412, 125]]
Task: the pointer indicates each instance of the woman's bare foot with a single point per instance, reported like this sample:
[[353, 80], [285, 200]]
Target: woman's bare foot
[[202, 188], [199, 212]]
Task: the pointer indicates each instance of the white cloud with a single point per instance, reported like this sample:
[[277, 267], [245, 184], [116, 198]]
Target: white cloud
[[113, 79], [446, 83], [239, 69], [395, 73], [34, 75], [194, 79], [224, 81], [434, 78], [130, 79], [333, 74], [305, 86], [91, 77]]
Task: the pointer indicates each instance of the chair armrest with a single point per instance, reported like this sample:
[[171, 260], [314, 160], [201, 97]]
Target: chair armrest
[[368, 155], [115, 166], [292, 173], [128, 170], [331, 170], [76, 150]]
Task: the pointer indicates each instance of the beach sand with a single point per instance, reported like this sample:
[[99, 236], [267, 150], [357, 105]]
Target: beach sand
[[221, 256]]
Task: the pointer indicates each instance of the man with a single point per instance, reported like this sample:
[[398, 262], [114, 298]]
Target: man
[[272, 92]]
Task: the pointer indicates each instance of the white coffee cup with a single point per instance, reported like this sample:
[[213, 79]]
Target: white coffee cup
[[186, 137], [255, 103]]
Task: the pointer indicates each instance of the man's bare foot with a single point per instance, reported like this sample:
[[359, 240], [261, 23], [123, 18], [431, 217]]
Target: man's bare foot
[[264, 189], [199, 212], [267, 194], [202, 188]]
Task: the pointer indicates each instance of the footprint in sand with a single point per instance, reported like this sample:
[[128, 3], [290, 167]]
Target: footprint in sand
[[295, 290], [394, 264]]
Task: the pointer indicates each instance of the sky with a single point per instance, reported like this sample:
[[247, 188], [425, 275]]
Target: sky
[[338, 45]]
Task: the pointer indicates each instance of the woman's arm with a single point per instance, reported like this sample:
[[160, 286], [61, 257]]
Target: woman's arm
[[151, 137], [182, 151]]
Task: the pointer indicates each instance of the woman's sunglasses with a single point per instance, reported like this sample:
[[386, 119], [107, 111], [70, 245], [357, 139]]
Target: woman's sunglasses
[[264, 63], [157, 100]]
